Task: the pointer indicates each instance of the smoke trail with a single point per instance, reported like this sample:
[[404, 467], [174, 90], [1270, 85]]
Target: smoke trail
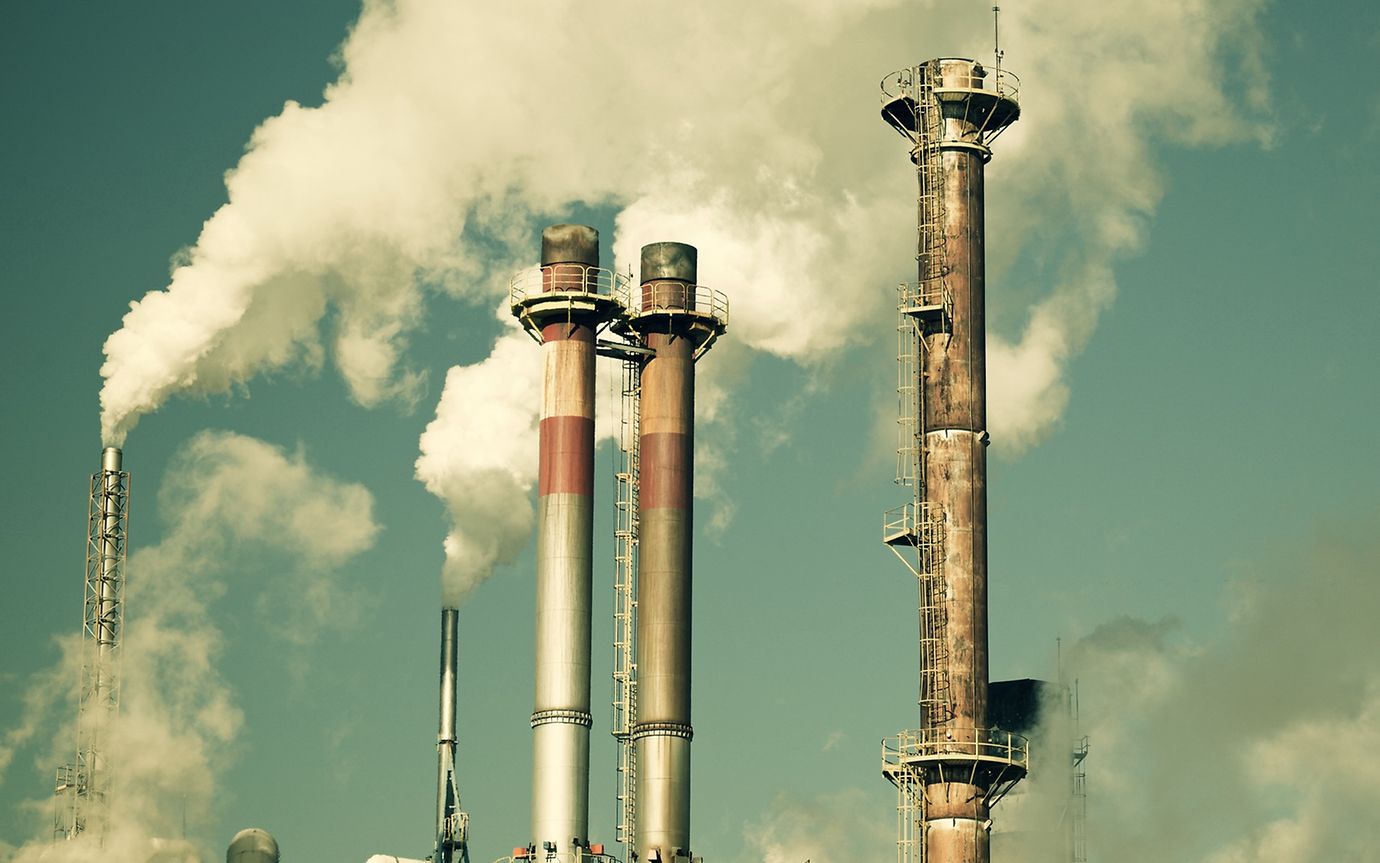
[[223, 493], [825, 828], [480, 456], [451, 128], [1102, 91], [1258, 746]]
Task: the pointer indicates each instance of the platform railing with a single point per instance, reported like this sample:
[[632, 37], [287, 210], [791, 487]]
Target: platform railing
[[905, 82], [663, 297], [565, 279], [943, 743]]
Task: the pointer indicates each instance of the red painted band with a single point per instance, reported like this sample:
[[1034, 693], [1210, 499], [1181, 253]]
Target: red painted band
[[563, 331], [567, 456], [666, 466]]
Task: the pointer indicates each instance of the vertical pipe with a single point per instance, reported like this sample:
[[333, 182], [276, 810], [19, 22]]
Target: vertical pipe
[[663, 731], [565, 539], [112, 504], [955, 422], [447, 802]]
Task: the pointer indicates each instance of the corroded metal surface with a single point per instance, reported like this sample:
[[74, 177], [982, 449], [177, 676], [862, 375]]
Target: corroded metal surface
[[565, 504], [950, 109], [663, 731]]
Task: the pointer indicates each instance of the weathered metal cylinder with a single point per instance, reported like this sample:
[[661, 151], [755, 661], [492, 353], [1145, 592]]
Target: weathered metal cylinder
[[565, 538], [957, 824], [568, 252], [954, 378], [955, 420], [669, 271], [252, 845], [665, 504]]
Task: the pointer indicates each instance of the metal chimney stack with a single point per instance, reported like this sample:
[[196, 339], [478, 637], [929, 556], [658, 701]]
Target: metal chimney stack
[[950, 771], [82, 786], [677, 321], [452, 825], [563, 305]]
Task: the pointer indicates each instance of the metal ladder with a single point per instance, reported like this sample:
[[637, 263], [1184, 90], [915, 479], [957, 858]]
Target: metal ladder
[[923, 313], [910, 817], [625, 603]]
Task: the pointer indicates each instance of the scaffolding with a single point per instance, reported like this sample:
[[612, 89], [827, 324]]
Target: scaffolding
[[81, 787], [625, 603], [1078, 805]]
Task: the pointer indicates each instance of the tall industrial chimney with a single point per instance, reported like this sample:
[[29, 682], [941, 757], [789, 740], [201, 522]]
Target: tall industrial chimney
[[677, 321], [950, 771], [83, 785], [452, 825], [563, 306]]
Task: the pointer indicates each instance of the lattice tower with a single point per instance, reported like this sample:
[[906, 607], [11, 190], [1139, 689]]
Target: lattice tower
[[82, 787]]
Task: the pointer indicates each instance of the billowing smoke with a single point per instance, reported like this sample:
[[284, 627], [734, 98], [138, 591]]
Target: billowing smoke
[[480, 456], [825, 828], [224, 493], [748, 129], [1254, 745], [1103, 91]]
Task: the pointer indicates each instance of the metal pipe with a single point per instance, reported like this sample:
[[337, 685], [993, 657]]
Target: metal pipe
[[954, 377], [109, 549], [450, 821], [565, 547], [949, 109], [663, 731]]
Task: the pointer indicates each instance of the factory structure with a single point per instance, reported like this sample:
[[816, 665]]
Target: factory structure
[[83, 784], [968, 750], [577, 310]]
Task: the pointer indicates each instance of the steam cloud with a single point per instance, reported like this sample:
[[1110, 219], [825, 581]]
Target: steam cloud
[[223, 492], [1256, 747], [452, 129], [480, 456]]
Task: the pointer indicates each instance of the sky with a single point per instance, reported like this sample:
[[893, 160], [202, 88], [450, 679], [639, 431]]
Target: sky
[[324, 414]]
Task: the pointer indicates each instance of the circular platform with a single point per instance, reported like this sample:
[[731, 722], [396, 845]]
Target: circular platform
[[560, 292]]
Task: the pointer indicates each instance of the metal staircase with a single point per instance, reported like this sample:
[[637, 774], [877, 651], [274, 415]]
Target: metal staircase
[[923, 311]]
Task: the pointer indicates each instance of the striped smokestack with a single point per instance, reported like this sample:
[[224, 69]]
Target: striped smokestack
[[676, 320], [565, 310]]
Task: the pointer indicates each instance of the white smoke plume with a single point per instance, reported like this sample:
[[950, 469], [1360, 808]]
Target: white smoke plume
[[1102, 91], [223, 493], [479, 455], [748, 129], [841, 827]]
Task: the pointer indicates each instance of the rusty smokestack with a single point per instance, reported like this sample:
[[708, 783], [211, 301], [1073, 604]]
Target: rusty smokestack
[[950, 771], [564, 308], [677, 320]]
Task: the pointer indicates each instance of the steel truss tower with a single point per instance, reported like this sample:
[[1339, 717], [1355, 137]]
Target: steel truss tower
[[82, 787], [950, 771]]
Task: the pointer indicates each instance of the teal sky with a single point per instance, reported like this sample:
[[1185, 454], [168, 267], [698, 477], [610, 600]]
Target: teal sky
[[1222, 415]]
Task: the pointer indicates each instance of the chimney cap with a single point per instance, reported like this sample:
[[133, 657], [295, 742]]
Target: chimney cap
[[570, 244], [678, 261]]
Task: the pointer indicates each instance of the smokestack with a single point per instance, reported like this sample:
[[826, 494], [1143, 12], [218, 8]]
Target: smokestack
[[677, 320], [252, 845], [452, 825], [950, 771], [570, 301], [83, 785]]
